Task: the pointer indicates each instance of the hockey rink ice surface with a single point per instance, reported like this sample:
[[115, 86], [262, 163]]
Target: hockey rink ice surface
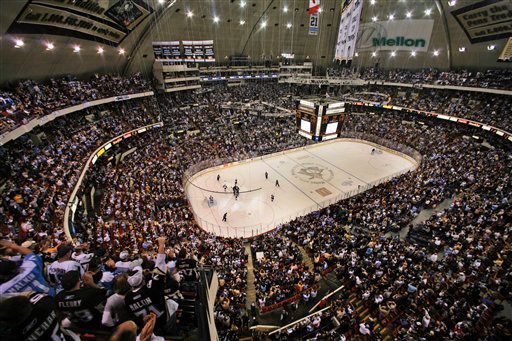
[[310, 178]]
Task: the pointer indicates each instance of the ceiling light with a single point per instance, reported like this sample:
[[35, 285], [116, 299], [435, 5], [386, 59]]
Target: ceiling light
[[263, 24], [408, 14], [216, 19], [356, 54], [428, 11], [436, 53], [49, 46], [413, 53], [76, 48], [452, 3], [190, 14], [374, 54], [374, 19], [242, 4], [372, 2], [491, 47], [462, 49], [242, 22], [100, 50], [289, 25], [19, 43], [122, 51], [285, 9], [393, 53], [391, 16]]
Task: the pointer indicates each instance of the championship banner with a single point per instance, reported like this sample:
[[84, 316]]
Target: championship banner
[[103, 21], [397, 35], [349, 26], [486, 20]]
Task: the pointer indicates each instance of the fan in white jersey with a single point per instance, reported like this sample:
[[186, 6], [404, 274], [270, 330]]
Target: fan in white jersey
[[82, 257], [62, 265]]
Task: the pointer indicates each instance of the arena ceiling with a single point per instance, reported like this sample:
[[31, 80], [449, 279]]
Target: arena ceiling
[[257, 29]]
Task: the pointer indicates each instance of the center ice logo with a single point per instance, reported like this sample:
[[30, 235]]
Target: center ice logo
[[313, 173]]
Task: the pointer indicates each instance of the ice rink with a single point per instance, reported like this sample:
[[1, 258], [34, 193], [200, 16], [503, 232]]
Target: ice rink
[[310, 178]]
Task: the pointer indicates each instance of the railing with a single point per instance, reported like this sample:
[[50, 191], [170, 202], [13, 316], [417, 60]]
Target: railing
[[40, 121], [69, 212], [250, 231]]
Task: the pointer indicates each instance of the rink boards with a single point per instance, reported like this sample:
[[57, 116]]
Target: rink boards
[[310, 178]]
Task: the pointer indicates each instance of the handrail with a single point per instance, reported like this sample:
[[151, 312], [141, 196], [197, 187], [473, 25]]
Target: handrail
[[91, 160], [40, 121], [298, 321]]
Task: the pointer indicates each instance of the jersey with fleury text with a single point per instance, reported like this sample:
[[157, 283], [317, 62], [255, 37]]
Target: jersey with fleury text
[[83, 307]]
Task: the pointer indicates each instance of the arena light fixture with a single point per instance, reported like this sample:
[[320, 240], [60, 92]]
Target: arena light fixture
[[374, 19], [242, 4], [408, 15], [263, 24], [121, 52], [462, 49], [289, 25], [372, 2], [190, 14], [285, 9], [491, 47], [76, 49], [393, 53], [452, 3], [391, 16], [428, 11], [18, 43], [161, 2], [49, 46], [216, 19], [242, 22], [356, 54], [436, 53], [413, 53], [374, 54], [100, 50]]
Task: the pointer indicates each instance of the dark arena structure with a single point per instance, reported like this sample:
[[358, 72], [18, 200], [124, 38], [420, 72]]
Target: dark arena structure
[[256, 170]]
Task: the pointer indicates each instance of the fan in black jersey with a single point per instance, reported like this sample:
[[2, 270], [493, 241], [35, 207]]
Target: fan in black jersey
[[83, 306], [186, 266], [30, 318], [148, 297]]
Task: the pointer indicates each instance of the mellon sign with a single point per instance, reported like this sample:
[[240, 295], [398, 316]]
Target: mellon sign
[[397, 35], [398, 41]]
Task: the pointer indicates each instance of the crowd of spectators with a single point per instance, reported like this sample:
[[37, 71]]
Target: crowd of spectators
[[28, 99], [444, 287], [497, 79]]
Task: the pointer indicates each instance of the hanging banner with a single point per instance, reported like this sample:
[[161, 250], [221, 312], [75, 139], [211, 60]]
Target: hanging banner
[[396, 35], [314, 6], [313, 24], [486, 20], [314, 16], [93, 20], [349, 26], [506, 54]]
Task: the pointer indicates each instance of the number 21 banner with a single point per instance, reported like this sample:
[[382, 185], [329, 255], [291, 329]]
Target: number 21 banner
[[314, 7]]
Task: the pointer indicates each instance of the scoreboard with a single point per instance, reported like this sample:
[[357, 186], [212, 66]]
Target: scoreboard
[[320, 119], [167, 50], [184, 51]]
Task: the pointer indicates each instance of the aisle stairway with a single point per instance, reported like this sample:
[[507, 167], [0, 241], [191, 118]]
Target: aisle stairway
[[251, 288], [382, 329], [305, 257]]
